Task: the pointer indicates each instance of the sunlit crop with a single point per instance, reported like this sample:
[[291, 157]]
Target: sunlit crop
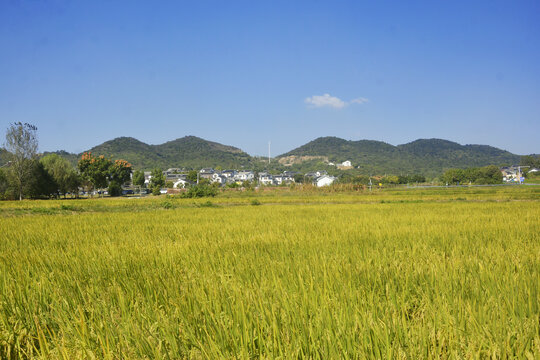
[[411, 274]]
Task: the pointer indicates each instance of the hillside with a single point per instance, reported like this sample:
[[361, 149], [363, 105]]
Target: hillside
[[428, 157], [425, 156], [189, 152]]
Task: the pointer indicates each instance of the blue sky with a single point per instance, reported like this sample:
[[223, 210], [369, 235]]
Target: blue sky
[[246, 72]]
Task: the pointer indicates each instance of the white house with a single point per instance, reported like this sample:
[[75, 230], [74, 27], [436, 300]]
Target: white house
[[346, 163], [218, 178], [244, 176], [285, 178], [229, 173], [180, 183], [206, 173], [324, 180], [266, 179], [316, 174]]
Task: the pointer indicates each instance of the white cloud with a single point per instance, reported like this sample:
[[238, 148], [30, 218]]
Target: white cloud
[[325, 100], [332, 101], [359, 100]]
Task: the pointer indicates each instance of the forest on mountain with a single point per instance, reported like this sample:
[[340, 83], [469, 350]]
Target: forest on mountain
[[428, 157]]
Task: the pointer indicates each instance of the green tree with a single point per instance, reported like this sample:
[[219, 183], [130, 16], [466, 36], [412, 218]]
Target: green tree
[[114, 189], [298, 178], [531, 161], [4, 185], [41, 183], [453, 176], [138, 178], [22, 144], [489, 175], [120, 172], [95, 169], [169, 184], [200, 190], [157, 180], [192, 176], [390, 179], [61, 171]]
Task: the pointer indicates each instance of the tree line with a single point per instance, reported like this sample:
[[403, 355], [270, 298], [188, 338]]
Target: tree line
[[26, 175], [480, 175]]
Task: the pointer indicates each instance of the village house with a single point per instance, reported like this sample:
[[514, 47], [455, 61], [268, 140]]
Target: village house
[[286, 177], [345, 165], [511, 173], [218, 178], [324, 180], [229, 174], [266, 179], [206, 173], [316, 174], [242, 176], [181, 184]]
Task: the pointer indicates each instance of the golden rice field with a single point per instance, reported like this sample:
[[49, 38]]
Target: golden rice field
[[409, 274]]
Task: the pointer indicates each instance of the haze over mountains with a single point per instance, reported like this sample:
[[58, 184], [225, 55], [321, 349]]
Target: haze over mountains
[[423, 156]]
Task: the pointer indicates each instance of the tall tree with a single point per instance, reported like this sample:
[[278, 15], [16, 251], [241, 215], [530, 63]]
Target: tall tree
[[62, 172], [4, 184], [22, 143], [138, 178], [95, 169], [120, 171], [157, 179]]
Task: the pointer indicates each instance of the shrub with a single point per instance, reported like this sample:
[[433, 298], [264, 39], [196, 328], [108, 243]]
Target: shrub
[[115, 189], [201, 190], [167, 204]]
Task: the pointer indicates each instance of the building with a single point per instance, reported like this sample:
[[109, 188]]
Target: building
[[242, 176], [324, 180], [316, 174], [229, 173], [206, 173], [181, 184], [218, 178], [266, 179], [345, 165]]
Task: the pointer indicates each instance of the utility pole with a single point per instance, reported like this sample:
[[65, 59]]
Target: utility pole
[[269, 153]]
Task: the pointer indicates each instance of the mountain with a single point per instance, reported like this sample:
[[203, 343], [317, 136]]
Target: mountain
[[189, 152], [424, 156], [428, 157]]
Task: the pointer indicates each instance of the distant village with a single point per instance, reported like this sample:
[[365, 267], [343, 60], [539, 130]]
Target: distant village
[[179, 177]]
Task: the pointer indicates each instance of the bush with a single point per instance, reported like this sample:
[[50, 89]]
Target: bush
[[67, 207], [255, 202], [167, 204], [115, 189], [156, 190], [208, 204], [201, 190]]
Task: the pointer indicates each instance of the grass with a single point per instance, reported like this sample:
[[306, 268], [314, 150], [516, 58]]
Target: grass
[[391, 274]]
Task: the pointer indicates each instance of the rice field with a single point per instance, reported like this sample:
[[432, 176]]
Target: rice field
[[394, 274]]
